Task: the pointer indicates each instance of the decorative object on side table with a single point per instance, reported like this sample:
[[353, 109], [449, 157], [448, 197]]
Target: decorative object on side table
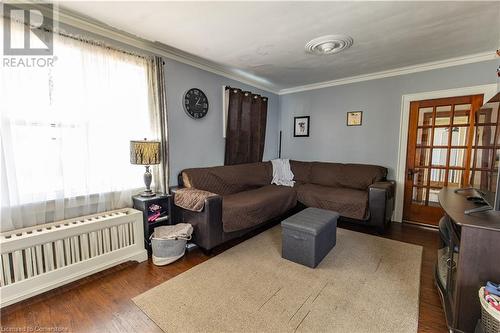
[[301, 126], [156, 211], [145, 153], [354, 118]]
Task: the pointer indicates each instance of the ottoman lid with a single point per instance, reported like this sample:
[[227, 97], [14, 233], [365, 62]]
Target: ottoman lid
[[311, 220]]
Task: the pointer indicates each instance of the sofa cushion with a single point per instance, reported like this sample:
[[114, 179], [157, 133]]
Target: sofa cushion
[[328, 174], [249, 208], [228, 179], [355, 176], [301, 171], [360, 176], [347, 202]]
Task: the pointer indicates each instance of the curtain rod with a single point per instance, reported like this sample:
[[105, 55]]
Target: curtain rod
[[82, 38], [100, 43], [245, 91]]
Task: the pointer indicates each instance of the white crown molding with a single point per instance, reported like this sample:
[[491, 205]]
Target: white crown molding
[[485, 56]]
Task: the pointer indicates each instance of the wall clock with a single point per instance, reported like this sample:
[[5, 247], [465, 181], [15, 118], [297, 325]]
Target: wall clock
[[195, 103]]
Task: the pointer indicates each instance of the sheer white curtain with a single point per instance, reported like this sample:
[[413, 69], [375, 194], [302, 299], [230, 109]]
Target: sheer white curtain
[[158, 111], [65, 132]]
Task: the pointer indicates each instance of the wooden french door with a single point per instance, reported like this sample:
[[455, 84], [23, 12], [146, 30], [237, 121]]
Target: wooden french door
[[439, 153]]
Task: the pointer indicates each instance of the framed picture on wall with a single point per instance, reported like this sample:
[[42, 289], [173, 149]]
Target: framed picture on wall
[[301, 126], [354, 118]]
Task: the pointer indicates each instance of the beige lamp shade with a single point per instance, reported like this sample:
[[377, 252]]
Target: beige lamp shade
[[145, 152]]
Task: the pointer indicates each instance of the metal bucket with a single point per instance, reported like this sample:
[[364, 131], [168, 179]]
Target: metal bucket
[[169, 243]]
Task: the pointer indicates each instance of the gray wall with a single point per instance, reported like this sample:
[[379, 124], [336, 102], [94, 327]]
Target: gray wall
[[376, 141], [197, 143]]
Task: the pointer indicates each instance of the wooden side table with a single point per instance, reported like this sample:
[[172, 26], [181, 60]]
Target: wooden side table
[[156, 211]]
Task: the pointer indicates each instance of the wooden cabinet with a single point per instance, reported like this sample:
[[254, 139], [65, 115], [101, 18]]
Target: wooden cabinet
[[469, 257]]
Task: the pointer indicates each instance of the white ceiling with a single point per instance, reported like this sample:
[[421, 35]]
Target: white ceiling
[[264, 41]]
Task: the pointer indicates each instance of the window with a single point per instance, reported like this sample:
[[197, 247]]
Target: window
[[65, 133]]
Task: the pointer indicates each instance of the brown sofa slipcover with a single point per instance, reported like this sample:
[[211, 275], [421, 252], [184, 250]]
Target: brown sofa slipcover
[[245, 199], [356, 176], [229, 179], [191, 198], [250, 208], [347, 202]]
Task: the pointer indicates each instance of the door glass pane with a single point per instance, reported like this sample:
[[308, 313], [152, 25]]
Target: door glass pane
[[483, 159], [459, 136], [441, 136], [494, 181], [424, 116], [497, 159], [433, 197], [455, 177], [485, 179], [457, 157], [422, 156], [424, 136], [462, 107], [419, 195], [461, 114], [439, 156], [420, 176], [443, 115], [481, 179], [485, 136], [486, 115], [437, 177]]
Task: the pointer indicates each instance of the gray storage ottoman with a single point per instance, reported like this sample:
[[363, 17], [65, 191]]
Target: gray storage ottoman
[[309, 235]]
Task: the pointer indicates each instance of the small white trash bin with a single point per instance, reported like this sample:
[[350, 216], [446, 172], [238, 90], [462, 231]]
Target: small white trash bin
[[169, 242]]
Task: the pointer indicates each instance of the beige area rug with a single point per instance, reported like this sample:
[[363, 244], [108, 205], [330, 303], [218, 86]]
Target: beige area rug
[[365, 284]]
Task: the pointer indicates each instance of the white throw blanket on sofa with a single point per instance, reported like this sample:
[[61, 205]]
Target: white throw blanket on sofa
[[282, 173]]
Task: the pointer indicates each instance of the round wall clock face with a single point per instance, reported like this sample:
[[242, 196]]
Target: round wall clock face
[[195, 103]]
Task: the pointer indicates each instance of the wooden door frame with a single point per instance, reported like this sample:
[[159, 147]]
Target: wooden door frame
[[489, 90], [429, 214]]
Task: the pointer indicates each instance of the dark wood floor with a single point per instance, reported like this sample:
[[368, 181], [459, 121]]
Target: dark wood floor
[[102, 302]]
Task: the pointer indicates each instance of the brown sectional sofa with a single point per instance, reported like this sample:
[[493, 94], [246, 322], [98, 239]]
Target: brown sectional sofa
[[245, 199]]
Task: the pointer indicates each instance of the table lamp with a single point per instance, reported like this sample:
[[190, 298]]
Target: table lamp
[[145, 153]]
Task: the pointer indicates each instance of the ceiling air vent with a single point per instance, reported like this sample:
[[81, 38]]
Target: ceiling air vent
[[330, 44]]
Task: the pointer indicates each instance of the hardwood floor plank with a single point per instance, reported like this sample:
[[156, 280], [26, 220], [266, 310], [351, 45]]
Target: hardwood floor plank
[[102, 302]]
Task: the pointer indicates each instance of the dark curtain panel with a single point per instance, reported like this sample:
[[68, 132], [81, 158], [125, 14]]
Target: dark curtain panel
[[246, 127], [233, 126]]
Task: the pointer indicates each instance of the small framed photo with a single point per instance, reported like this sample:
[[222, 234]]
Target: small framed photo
[[301, 126], [354, 118]]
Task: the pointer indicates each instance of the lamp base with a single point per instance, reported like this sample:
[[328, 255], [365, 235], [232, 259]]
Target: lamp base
[[147, 181], [148, 193]]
